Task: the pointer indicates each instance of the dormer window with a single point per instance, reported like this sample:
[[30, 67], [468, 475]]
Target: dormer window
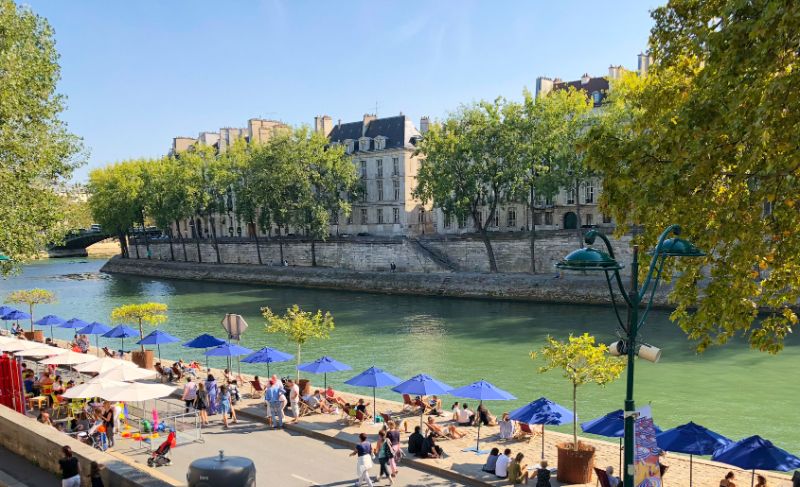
[[380, 142], [349, 145], [597, 97], [363, 144]]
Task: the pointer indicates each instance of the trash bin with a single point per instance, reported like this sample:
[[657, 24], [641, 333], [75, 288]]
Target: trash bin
[[222, 470]]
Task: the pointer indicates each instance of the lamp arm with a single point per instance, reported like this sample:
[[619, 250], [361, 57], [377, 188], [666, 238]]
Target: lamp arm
[[676, 229], [589, 239], [652, 293], [614, 302]]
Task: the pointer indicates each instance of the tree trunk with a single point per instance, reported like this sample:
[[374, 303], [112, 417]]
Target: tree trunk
[[255, 236], [144, 232], [533, 231], [214, 237], [298, 363], [489, 250], [280, 245], [30, 309], [197, 240], [136, 247], [575, 415], [123, 245], [171, 250], [180, 235], [313, 253], [141, 334], [578, 212]]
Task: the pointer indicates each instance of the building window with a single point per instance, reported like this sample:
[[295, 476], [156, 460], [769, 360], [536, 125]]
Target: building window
[[349, 145], [379, 182], [537, 218], [548, 218], [446, 217], [478, 218], [512, 217], [548, 201], [380, 215], [364, 219], [350, 219], [570, 196], [396, 188], [589, 192], [396, 215], [363, 169], [421, 216], [606, 218], [395, 166], [380, 142], [379, 164], [363, 144], [589, 219], [597, 97]]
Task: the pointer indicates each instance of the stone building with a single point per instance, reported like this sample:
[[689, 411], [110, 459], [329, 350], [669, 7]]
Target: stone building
[[382, 150]]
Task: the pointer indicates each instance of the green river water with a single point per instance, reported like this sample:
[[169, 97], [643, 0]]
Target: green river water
[[732, 389]]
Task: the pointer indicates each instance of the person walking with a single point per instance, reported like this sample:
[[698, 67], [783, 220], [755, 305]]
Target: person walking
[[364, 451], [393, 435], [273, 397], [225, 405], [294, 399], [211, 388], [108, 422], [70, 471], [189, 393], [201, 403], [385, 452]]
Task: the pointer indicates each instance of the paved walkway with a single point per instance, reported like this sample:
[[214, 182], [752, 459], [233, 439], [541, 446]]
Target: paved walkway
[[16, 471]]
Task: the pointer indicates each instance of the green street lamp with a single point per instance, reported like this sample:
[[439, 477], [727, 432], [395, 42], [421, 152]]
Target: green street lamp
[[589, 259]]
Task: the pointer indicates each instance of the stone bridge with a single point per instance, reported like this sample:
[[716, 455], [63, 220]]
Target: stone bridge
[[75, 243]]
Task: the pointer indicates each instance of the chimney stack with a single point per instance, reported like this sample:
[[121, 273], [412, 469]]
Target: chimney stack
[[324, 124], [424, 124], [645, 60], [368, 117], [585, 79]]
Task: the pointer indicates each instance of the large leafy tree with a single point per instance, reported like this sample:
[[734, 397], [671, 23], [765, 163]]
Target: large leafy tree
[[36, 150], [116, 198], [709, 140], [470, 165], [139, 314], [299, 326]]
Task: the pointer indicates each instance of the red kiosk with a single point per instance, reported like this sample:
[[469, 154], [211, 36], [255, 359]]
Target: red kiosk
[[12, 394]]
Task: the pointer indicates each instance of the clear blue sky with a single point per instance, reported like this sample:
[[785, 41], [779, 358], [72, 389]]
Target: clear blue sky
[[137, 73]]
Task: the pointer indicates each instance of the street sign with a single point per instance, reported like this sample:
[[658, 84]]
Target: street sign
[[234, 325]]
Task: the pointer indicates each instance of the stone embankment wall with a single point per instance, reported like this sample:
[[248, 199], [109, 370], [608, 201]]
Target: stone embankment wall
[[41, 445], [424, 255], [509, 286]]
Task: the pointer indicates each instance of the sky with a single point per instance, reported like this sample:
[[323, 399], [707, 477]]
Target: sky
[[137, 74]]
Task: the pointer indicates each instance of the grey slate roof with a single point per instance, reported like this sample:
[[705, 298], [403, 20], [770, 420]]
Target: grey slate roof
[[594, 84], [399, 132]]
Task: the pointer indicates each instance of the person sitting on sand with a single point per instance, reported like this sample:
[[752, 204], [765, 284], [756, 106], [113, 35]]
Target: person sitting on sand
[[362, 407], [465, 416], [761, 482], [485, 417], [491, 461], [727, 481], [542, 475], [450, 430], [518, 471], [331, 397], [430, 449], [435, 404], [415, 441], [613, 481], [506, 427]]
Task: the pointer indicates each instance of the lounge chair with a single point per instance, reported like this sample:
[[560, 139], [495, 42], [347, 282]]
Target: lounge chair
[[178, 373], [348, 414], [602, 477], [256, 389], [109, 353], [361, 417], [163, 373], [525, 431], [408, 404]]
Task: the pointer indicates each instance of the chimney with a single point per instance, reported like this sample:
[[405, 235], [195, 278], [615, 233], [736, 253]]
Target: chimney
[[424, 124], [585, 79], [544, 85], [323, 124], [645, 60], [367, 119], [614, 72]]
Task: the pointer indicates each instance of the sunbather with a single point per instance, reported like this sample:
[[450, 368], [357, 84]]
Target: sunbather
[[332, 398]]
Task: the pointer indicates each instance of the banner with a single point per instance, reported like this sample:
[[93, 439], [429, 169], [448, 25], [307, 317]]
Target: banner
[[647, 468]]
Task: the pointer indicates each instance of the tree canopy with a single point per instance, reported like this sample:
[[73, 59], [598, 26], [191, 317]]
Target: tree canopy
[[139, 314], [709, 140], [31, 297], [36, 150], [299, 326]]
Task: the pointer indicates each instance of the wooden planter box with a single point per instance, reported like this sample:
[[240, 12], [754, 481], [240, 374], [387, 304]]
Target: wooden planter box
[[575, 466], [143, 359], [36, 336]]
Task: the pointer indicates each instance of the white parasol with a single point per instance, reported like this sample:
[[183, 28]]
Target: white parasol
[[17, 345], [68, 358], [137, 392], [103, 365], [93, 388], [40, 351], [127, 374]]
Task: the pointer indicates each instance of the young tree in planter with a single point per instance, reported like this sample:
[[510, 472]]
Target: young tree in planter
[[31, 297], [299, 326], [138, 314], [582, 362]]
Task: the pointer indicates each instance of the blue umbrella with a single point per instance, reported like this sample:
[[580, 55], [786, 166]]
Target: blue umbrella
[[482, 391], [229, 350], [94, 328], [157, 337], [204, 341], [4, 310], [123, 332], [756, 453], [373, 377], [422, 385], [693, 439], [49, 320], [267, 356], [323, 365], [15, 315], [542, 411], [611, 425]]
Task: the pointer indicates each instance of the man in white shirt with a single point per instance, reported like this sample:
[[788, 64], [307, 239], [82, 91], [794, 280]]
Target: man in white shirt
[[294, 399], [501, 468], [465, 416]]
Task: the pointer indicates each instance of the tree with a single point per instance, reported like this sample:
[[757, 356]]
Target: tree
[[115, 198], [31, 297], [138, 314], [244, 185], [470, 165], [36, 150], [299, 326], [582, 362], [709, 140]]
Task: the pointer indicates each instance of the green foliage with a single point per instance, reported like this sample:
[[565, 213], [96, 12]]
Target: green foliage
[[36, 150], [138, 314], [581, 362], [116, 198], [31, 297], [709, 140], [299, 326]]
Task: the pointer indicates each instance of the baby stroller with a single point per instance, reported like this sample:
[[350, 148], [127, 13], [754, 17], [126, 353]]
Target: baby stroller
[[159, 457]]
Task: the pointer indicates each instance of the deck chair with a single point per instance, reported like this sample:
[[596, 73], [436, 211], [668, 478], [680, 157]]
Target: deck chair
[[306, 409], [602, 477], [524, 431], [348, 414], [177, 372], [663, 468], [361, 417], [163, 373], [419, 404], [408, 404], [109, 353], [60, 408], [256, 389]]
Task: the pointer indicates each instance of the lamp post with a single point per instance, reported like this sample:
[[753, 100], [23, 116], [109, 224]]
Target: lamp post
[[590, 259]]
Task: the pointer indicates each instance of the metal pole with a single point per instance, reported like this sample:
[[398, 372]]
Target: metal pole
[[690, 471], [630, 407], [542, 441], [478, 440], [97, 344]]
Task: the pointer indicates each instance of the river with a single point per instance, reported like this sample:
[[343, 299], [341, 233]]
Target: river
[[731, 389]]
